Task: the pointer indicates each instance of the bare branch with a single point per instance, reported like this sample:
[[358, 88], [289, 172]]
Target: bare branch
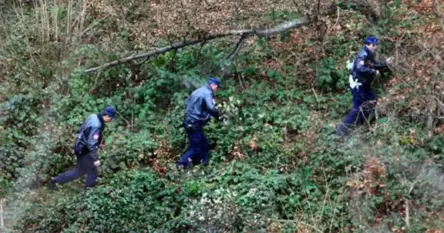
[[440, 104], [244, 33], [361, 6], [237, 48], [438, 13], [298, 8], [318, 10], [407, 212]]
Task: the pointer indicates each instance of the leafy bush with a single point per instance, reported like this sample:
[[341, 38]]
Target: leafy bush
[[131, 201]]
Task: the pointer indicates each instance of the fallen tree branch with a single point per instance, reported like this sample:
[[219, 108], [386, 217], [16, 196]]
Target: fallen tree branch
[[244, 33], [359, 5]]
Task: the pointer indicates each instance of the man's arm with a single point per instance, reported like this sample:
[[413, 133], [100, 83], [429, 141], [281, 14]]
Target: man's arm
[[210, 106], [379, 65], [382, 64], [93, 142], [362, 68]]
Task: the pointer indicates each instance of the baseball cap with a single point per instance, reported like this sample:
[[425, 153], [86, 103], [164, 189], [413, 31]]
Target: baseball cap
[[214, 81], [371, 40], [110, 111]]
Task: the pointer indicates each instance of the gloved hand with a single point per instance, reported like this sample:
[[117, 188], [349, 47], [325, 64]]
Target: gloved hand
[[223, 117], [216, 115], [389, 60]]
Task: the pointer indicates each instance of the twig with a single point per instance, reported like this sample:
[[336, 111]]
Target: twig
[[316, 95], [337, 18], [440, 104], [2, 223], [126, 121], [298, 8], [91, 26], [318, 8], [237, 48], [438, 13], [407, 210], [407, 213], [95, 83]]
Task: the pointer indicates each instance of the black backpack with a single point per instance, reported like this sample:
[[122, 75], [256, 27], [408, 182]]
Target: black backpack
[[79, 144]]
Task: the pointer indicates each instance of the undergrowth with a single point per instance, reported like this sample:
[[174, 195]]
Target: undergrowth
[[276, 165]]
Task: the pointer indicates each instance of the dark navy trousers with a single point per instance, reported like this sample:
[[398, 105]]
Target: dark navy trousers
[[364, 100], [198, 149], [85, 165]]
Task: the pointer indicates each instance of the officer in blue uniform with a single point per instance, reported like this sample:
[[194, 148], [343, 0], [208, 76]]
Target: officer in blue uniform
[[364, 70], [88, 140], [199, 108]]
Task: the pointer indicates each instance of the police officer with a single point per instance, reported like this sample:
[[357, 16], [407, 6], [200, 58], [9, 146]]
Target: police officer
[[364, 70], [199, 108], [88, 140]]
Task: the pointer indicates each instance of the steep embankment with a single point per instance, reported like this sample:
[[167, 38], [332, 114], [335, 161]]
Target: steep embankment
[[276, 165]]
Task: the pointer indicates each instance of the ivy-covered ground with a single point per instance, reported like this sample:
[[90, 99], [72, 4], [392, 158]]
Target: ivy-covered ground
[[276, 164]]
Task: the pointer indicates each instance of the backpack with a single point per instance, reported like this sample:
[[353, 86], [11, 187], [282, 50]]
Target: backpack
[[79, 147], [79, 144]]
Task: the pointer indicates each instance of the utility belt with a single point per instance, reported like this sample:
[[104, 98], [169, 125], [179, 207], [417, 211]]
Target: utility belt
[[192, 124]]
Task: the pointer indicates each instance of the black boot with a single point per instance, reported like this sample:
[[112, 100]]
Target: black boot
[[52, 184]]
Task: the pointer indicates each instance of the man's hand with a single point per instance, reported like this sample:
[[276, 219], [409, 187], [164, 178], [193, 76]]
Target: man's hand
[[101, 145], [97, 163], [223, 118], [216, 115], [389, 60]]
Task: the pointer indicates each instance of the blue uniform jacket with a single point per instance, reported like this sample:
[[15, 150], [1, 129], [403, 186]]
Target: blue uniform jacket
[[365, 66], [89, 135], [200, 105]]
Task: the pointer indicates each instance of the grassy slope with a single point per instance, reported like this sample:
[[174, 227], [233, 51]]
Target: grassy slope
[[276, 165]]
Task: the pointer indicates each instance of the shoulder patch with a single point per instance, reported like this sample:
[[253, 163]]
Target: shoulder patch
[[96, 136], [361, 62], [362, 54]]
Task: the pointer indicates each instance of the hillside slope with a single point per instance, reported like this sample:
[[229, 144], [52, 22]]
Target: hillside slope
[[276, 165]]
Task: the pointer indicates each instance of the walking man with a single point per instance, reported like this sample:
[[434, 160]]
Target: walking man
[[88, 140], [199, 108], [364, 70]]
